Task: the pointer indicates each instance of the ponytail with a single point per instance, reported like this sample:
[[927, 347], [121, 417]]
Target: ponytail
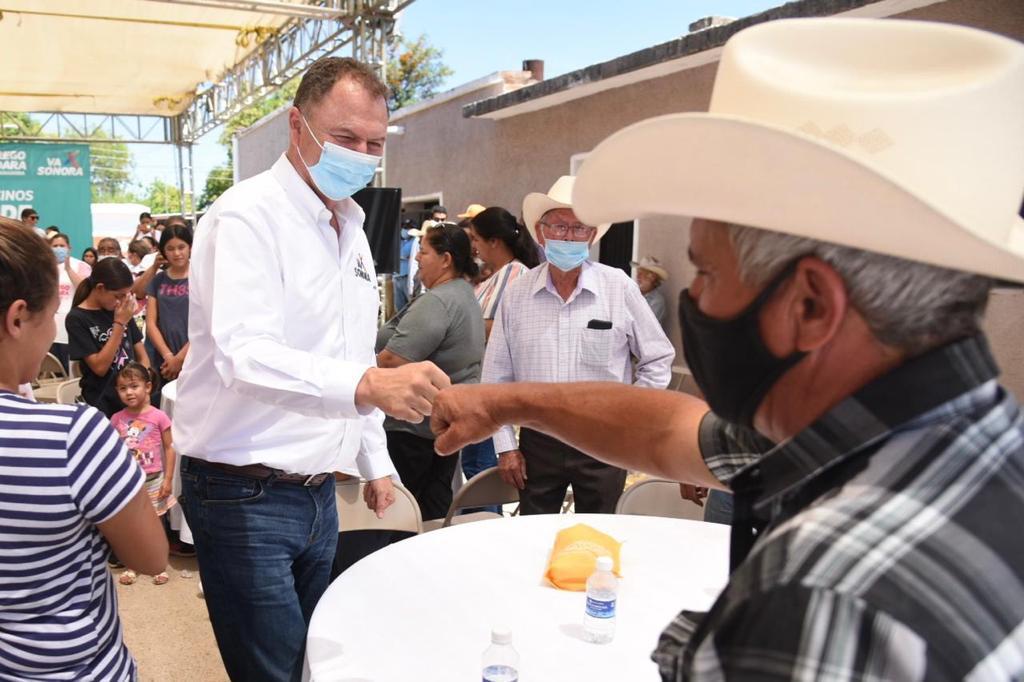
[[497, 223], [82, 292], [452, 239], [110, 272]]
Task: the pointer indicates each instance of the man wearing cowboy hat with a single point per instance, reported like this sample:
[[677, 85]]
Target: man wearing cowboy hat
[[569, 320], [853, 213], [649, 276]]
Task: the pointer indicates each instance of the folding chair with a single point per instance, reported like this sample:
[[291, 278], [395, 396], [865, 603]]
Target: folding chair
[[658, 497], [68, 392], [353, 514], [484, 489], [51, 370]]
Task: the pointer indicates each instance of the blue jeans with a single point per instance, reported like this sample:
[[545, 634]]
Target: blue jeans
[[400, 287], [718, 507], [477, 457], [265, 550]]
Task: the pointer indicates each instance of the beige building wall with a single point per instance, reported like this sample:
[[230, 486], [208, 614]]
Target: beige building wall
[[496, 162]]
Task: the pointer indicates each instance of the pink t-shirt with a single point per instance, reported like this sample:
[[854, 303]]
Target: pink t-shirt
[[143, 436]]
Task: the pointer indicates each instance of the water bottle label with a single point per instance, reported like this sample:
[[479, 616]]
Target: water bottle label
[[598, 608], [500, 673]]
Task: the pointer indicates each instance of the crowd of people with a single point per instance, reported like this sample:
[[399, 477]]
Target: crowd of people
[[865, 445]]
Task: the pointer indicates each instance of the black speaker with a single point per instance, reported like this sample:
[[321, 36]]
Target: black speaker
[[383, 208]]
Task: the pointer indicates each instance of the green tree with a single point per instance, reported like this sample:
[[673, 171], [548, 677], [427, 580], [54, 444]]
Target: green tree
[[162, 197], [217, 182], [414, 71], [112, 166]]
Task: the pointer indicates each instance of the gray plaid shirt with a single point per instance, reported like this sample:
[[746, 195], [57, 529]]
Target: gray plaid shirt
[[883, 542]]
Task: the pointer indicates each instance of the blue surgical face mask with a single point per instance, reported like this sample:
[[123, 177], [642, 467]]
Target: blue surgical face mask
[[61, 253], [565, 255], [340, 172]]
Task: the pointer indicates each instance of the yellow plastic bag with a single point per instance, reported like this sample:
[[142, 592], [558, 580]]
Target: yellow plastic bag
[[575, 554]]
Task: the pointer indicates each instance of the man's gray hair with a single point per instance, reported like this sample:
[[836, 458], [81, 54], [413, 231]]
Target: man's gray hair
[[907, 305]]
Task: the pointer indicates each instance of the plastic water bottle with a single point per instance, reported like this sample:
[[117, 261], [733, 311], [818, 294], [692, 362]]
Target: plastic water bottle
[[602, 592], [501, 661]]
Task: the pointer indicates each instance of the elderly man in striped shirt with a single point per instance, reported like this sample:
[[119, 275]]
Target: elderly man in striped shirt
[[855, 211], [569, 320]]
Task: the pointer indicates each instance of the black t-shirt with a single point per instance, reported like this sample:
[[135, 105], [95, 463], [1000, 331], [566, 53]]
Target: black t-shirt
[[88, 331]]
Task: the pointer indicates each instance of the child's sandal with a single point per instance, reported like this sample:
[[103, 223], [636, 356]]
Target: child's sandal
[[161, 579], [128, 577]]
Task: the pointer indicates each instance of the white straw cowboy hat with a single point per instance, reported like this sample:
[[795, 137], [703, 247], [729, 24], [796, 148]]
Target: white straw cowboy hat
[[536, 205], [651, 264], [426, 227], [898, 137]]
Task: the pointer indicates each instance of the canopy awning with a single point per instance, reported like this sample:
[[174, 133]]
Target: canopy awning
[[125, 56]]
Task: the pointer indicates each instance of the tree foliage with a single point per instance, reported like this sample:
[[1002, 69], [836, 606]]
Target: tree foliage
[[414, 71], [162, 197]]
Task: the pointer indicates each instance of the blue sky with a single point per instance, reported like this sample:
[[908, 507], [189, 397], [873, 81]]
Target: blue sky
[[479, 37]]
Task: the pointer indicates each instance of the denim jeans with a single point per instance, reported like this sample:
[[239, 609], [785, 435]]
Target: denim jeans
[[401, 291], [718, 507], [265, 550]]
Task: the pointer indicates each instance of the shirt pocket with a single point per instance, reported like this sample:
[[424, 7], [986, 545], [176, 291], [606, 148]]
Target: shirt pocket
[[596, 346]]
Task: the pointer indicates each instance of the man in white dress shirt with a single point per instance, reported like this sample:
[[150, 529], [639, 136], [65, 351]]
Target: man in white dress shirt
[[569, 320], [280, 386]]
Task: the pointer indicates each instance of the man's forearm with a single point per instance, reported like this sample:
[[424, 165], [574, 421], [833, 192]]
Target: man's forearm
[[650, 430]]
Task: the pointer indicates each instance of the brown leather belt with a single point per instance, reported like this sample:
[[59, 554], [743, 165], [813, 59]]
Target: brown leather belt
[[262, 472]]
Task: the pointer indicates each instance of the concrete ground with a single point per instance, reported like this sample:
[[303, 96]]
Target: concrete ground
[[167, 628]]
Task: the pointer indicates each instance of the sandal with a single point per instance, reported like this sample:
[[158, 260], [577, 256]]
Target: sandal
[[161, 579], [128, 577]]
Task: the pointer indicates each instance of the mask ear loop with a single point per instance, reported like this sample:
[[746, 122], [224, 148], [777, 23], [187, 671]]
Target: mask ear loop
[[311, 134]]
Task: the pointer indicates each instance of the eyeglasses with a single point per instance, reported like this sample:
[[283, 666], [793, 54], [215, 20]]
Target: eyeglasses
[[559, 230]]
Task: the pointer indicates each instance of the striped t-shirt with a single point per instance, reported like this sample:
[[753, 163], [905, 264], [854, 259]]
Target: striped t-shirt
[[490, 291], [62, 471]]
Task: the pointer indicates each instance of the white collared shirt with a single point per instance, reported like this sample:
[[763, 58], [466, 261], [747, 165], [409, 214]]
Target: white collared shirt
[[539, 337], [282, 322]]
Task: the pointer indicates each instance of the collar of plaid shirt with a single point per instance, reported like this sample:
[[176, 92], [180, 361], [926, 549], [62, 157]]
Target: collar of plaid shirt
[[838, 445]]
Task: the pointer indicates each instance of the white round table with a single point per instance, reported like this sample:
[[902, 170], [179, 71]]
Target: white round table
[[423, 608]]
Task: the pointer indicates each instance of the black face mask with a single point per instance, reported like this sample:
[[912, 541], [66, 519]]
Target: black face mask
[[728, 358]]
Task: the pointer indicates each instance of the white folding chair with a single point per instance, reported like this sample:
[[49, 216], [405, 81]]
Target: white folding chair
[[68, 392], [353, 514], [51, 370], [658, 497], [483, 490]]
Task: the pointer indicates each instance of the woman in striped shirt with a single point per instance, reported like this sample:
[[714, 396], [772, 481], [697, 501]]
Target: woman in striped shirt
[[508, 250], [68, 492]]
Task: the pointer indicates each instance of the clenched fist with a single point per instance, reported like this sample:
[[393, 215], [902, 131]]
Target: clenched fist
[[405, 392]]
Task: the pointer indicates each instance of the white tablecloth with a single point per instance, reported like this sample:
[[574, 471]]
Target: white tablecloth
[[168, 394], [423, 608]]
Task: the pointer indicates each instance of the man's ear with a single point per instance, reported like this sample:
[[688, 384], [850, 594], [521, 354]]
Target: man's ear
[[820, 300]]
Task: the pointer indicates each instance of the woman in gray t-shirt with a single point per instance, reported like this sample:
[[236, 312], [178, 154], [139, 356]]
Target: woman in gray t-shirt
[[442, 325]]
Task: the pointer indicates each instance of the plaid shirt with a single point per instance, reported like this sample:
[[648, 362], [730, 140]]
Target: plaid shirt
[[883, 542]]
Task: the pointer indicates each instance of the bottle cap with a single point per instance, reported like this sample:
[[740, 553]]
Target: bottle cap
[[501, 635], [605, 563]]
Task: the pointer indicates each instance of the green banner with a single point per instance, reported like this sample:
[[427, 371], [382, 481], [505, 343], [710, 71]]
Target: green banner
[[54, 180]]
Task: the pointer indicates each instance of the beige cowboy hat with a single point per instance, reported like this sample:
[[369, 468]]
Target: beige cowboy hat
[[472, 210], [535, 205], [426, 227], [651, 264], [898, 137]]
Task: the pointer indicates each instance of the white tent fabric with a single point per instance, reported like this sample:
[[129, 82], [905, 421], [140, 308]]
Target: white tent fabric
[[120, 56]]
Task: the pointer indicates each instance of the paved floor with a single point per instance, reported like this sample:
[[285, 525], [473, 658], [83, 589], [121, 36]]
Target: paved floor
[[167, 629]]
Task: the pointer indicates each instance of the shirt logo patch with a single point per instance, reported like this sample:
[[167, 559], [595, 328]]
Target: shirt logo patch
[[360, 271]]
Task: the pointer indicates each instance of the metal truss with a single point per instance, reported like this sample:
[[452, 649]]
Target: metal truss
[[365, 25], [87, 128]]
